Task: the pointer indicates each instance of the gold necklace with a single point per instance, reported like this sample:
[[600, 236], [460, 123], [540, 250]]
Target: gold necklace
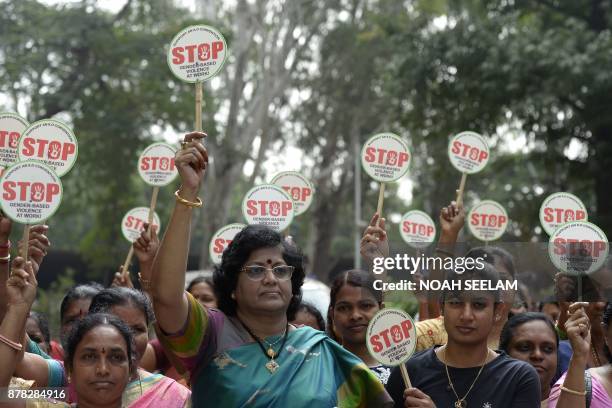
[[461, 403], [271, 365]]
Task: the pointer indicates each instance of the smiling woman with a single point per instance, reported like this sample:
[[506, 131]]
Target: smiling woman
[[353, 303]]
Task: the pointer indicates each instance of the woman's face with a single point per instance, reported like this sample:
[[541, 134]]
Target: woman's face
[[469, 316], [269, 295], [595, 312], [535, 343], [352, 312], [304, 318], [33, 330], [136, 319], [204, 294], [100, 367], [76, 310]]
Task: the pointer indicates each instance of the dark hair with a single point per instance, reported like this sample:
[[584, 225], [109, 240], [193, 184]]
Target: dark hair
[[606, 320], [515, 321], [251, 238], [490, 253], [354, 277], [81, 291], [473, 272], [43, 325], [314, 312], [548, 300], [104, 301], [198, 280], [90, 322]]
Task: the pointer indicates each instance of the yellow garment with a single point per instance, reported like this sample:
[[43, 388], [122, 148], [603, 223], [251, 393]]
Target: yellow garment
[[430, 332]]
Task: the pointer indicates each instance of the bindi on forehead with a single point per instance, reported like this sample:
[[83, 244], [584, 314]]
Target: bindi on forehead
[[269, 262]]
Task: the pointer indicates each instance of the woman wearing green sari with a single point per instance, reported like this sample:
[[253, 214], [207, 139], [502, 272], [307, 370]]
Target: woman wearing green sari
[[246, 354]]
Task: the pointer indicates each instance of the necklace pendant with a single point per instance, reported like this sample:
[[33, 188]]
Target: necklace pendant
[[460, 404], [271, 352], [272, 366]]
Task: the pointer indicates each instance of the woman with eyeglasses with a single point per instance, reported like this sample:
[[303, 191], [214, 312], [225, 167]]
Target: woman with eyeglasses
[[245, 353]]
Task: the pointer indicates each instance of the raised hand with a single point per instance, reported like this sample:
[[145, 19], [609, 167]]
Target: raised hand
[[191, 162], [374, 243], [578, 329], [5, 228], [452, 219], [146, 246], [121, 280], [21, 285]]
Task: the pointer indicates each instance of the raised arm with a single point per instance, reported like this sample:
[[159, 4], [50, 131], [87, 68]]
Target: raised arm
[[20, 294], [5, 260], [170, 265], [572, 392]]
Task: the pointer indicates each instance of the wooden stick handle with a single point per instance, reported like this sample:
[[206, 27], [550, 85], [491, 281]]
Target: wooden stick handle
[[152, 210], [407, 382], [26, 241], [460, 191], [381, 199], [198, 107], [128, 260]]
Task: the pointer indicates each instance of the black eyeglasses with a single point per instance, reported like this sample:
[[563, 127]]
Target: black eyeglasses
[[257, 272]]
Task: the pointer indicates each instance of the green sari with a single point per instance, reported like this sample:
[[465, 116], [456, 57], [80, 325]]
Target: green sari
[[227, 370]]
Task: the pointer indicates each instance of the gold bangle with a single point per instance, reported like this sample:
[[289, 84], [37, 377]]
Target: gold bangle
[[574, 392], [193, 204]]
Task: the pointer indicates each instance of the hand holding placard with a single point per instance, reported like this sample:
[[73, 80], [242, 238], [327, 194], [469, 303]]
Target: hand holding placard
[[221, 240], [299, 188], [31, 193], [559, 208], [132, 226], [191, 162], [391, 339], [374, 243], [386, 158], [488, 220], [12, 127], [469, 153]]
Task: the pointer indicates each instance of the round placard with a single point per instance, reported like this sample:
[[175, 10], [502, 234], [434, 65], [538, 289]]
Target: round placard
[[156, 164], [488, 220], [578, 247], [221, 239], [50, 142], [269, 205], [559, 208], [31, 192], [385, 157], [417, 229], [391, 337], [12, 127], [133, 222], [468, 152], [197, 53], [299, 188]]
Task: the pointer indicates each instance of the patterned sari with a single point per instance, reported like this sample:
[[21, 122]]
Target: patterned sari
[[228, 370], [156, 390]]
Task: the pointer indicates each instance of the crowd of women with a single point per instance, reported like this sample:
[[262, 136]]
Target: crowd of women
[[246, 339]]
